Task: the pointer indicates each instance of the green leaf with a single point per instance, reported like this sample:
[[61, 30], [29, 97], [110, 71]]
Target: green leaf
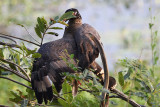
[[156, 60], [25, 61], [71, 65], [36, 55], [30, 93], [17, 98], [85, 72], [20, 25], [85, 99], [54, 90], [63, 23], [105, 90], [155, 53], [127, 75], [75, 68], [29, 52], [150, 25], [153, 46], [18, 59], [12, 66], [24, 103], [1, 53], [56, 18], [147, 88], [56, 103], [156, 32], [121, 79], [52, 33], [67, 16], [44, 20], [114, 103], [126, 85], [72, 56], [149, 102], [95, 82], [56, 28], [38, 31], [41, 25], [152, 73], [1, 71], [63, 103], [67, 89]]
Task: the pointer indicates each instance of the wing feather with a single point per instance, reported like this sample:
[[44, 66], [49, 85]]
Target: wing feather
[[87, 49]]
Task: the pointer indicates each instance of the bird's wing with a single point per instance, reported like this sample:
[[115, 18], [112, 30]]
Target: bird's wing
[[87, 49], [43, 77], [48, 69]]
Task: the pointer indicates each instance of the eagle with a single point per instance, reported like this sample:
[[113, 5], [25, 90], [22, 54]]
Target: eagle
[[48, 69]]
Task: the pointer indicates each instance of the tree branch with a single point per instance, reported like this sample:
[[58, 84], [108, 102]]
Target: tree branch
[[18, 73], [124, 97], [9, 39], [20, 39], [12, 45], [17, 66], [16, 82]]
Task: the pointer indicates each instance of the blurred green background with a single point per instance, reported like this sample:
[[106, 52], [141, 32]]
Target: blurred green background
[[122, 24]]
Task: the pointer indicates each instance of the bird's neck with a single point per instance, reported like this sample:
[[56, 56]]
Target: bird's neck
[[75, 22], [73, 25]]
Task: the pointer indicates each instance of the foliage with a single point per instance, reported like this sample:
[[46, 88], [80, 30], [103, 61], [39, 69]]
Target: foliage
[[136, 78], [19, 59], [79, 100], [88, 86]]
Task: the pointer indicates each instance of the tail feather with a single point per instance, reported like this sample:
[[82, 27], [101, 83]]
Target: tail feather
[[44, 76], [50, 93], [39, 96]]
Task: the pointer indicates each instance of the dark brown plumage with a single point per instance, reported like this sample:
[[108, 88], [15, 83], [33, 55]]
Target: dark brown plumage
[[48, 68]]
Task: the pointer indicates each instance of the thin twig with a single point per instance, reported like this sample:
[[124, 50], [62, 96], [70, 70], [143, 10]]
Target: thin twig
[[140, 54], [9, 39], [17, 66], [12, 45], [30, 35], [20, 39], [18, 73], [16, 82], [114, 96], [90, 91], [44, 34]]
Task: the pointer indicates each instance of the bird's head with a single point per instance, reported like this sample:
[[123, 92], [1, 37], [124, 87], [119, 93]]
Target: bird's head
[[75, 12]]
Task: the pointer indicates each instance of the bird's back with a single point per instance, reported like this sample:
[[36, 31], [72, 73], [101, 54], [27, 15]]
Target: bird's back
[[53, 50]]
